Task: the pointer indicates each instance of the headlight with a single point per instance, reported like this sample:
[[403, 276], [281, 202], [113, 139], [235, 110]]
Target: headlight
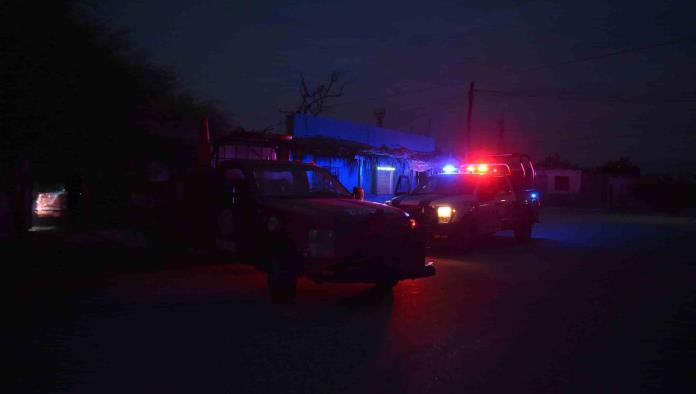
[[444, 214], [273, 223], [322, 243]]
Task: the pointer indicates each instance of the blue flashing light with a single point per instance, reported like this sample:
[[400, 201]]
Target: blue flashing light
[[533, 195], [449, 169]]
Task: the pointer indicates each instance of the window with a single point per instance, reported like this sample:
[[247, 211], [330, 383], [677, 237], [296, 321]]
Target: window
[[298, 182], [234, 175], [229, 152], [487, 189], [502, 186], [277, 182], [561, 183], [448, 184], [320, 183]]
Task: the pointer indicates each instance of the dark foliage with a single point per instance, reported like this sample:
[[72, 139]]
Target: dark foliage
[[665, 193], [78, 103], [623, 166], [555, 162]]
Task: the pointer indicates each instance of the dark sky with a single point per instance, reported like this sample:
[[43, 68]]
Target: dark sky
[[416, 59]]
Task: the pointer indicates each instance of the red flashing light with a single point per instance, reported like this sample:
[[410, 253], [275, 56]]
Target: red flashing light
[[487, 168], [412, 223], [477, 168]]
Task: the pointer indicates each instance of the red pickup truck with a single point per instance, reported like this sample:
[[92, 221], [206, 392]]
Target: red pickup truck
[[288, 219]]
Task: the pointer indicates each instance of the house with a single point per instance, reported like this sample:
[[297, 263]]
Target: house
[[377, 160], [380, 161], [559, 185], [586, 188]]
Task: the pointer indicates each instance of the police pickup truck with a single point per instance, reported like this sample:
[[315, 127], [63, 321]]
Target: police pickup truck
[[289, 219], [456, 206]]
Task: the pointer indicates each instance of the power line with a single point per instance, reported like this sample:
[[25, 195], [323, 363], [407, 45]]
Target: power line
[[609, 54], [400, 94], [574, 61], [601, 99]]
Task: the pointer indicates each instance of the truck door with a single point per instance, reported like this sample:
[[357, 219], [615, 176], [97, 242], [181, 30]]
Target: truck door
[[505, 202], [487, 218]]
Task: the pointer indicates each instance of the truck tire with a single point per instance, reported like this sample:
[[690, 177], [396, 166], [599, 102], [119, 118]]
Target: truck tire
[[282, 282], [523, 229], [465, 239]]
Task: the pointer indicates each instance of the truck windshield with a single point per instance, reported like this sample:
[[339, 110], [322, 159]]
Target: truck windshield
[[448, 184], [297, 182]]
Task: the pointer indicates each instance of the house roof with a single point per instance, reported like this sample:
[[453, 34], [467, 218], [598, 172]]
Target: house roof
[[307, 126]]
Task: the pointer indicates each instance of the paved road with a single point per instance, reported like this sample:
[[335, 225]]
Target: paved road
[[595, 303]]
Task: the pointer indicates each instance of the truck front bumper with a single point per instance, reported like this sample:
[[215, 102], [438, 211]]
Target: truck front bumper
[[371, 273], [444, 234], [376, 263]]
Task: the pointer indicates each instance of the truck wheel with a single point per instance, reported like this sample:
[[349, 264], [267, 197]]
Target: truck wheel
[[523, 229], [465, 239], [282, 284]]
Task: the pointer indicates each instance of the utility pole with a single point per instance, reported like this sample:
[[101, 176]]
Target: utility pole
[[467, 138], [379, 115], [501, 133]]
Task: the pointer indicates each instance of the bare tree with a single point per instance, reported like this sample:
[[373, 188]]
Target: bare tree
[[314, 101]]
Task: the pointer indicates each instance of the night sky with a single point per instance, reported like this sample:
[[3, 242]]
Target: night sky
[[416, 59]]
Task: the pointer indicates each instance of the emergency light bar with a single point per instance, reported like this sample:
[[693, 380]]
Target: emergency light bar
[[487, 168], [449, 169]]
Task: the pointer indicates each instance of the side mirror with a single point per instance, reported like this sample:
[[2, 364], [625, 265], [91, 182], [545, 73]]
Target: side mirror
[[358, 193]]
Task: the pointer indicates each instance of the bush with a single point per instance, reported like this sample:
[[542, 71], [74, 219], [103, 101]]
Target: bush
[[665, 194]]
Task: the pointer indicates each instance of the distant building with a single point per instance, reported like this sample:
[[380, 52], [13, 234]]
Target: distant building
[[587, 188], [559, 184]]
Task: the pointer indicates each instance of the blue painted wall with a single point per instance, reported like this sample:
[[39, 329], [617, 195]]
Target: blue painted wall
[[347, 171]]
